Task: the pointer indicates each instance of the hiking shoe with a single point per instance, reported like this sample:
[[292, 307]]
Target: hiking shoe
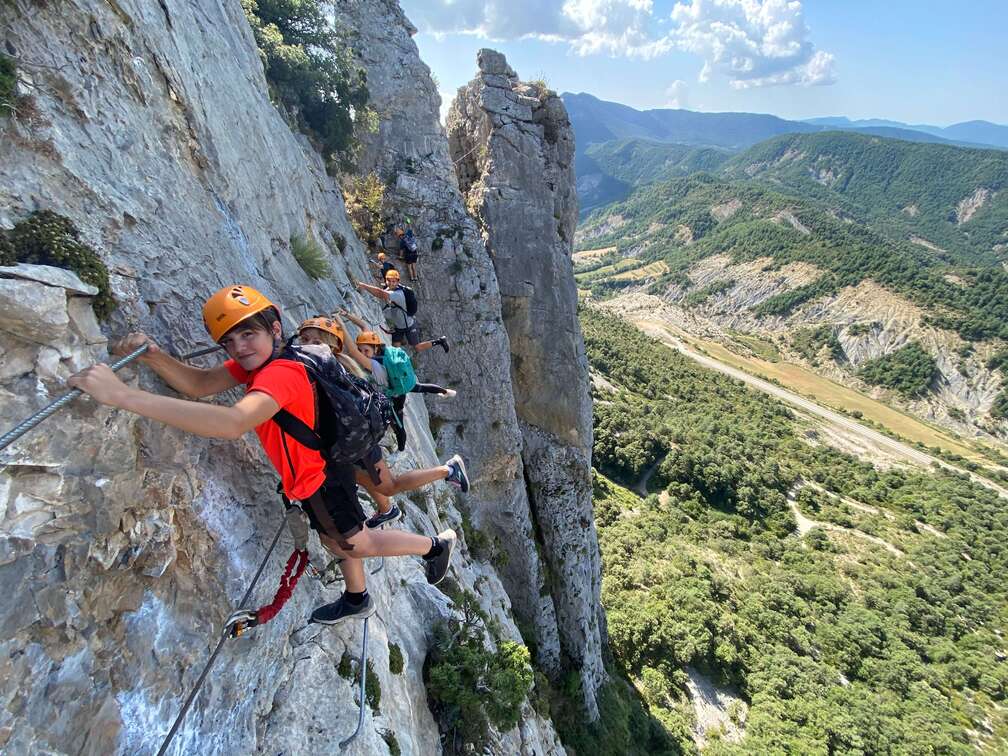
[[457, 473], [437, 567], [341, 611], [449, 393], [441, 341], [379, 518]]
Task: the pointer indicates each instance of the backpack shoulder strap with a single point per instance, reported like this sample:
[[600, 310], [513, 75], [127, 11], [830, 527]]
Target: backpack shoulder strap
[[298, 429], [290, 424]]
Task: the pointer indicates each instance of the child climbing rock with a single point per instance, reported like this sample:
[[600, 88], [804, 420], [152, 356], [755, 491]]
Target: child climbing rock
[[323, 331], [390, 370], [381, 266], [399, 308], [247, 325], [408, 251]]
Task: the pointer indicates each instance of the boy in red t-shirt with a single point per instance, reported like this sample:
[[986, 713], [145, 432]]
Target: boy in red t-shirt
[[247, 325]]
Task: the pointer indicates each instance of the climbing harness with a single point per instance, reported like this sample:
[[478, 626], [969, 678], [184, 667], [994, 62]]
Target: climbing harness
[[13, 435], [243, 619], [363, 683]]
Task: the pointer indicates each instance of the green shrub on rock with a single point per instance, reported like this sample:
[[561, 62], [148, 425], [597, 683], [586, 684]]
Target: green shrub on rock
[[45, 238], [474, 686], [395, 659], [311, 73]]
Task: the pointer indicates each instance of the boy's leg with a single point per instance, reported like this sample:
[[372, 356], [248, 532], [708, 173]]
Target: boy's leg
[[436, 552], [383, 502], [430, 388], [352, 568], [391, 485]]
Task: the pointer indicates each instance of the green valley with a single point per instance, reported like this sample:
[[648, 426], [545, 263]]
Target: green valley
[[683, 220], [844, 608]]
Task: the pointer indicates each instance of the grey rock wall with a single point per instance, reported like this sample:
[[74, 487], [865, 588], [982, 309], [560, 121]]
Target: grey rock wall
[[514, 156], [123, 545], [460, 296]]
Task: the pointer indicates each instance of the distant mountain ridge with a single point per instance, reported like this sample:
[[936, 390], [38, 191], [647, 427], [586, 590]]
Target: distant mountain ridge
[[981, 132], [619, 147], [597, 121]]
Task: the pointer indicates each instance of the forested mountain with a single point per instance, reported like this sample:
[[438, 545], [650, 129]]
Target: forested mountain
[[619, 147], [948, 197], [596, 121], [979, 132], [684, 220], [850, 609], [609, 171]]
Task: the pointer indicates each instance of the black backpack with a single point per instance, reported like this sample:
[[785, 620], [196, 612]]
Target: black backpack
[[411, 300], [352, 415]]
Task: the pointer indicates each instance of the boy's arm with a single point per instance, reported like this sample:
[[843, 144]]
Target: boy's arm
[[376, 291], [209, 420], [357, 321], [350, 347], [186, 379]]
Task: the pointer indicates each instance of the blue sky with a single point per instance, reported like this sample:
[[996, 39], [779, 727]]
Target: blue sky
[[918, 62]]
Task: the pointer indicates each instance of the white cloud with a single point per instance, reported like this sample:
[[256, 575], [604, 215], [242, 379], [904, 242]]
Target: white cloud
[[677, 95], [753, 43], [589, 27]]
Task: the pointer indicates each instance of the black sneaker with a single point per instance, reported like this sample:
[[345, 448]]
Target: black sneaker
[[457, 473], [442, 342], [340, 611], [393, 515], [437, 567]]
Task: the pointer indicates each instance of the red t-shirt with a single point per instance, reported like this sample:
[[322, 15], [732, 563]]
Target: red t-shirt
[[287, 382]]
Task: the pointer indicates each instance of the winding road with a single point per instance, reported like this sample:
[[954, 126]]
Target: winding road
[[663, 334]]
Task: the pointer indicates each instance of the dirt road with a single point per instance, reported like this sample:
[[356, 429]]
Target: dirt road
[[666, 336]]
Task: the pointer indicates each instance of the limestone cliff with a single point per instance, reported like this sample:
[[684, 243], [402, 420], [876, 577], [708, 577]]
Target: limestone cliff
[[514, 156], [123, 544], [554, 593]]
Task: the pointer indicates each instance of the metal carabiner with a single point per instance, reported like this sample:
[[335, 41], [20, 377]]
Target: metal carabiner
[[240, 621]]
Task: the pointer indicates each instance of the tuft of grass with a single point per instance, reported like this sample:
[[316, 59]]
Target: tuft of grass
[[310, 257]]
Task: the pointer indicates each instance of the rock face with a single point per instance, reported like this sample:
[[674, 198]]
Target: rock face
[[462, 298], [123, 544], [514, 152]]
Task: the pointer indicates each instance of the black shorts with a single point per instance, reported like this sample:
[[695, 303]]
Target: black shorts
[[410, 257], [369, 463], [409, 335], [334, 509]]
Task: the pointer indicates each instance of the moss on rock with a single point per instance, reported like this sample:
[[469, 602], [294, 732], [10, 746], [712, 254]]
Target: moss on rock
[[45, 238]]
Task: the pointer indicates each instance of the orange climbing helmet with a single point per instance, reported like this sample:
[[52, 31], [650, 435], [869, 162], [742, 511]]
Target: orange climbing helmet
[[399, 231], [230, 306], [381, 257], [392, 275], [370, 338], [328, 326]]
